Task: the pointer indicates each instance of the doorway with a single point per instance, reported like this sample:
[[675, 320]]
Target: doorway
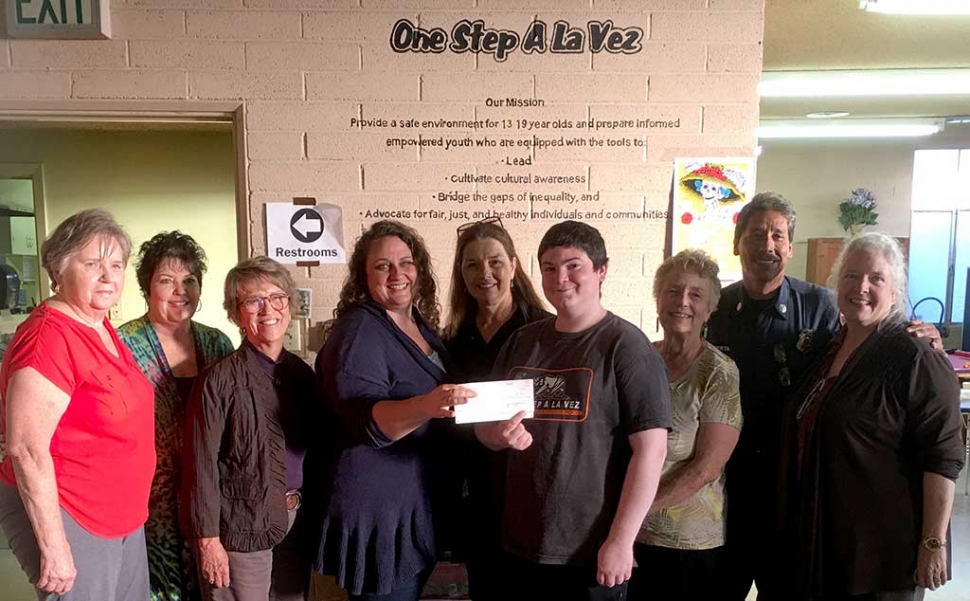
[[156, 168]]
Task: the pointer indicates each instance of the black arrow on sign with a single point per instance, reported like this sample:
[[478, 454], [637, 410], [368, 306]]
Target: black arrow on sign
[[306, 225]]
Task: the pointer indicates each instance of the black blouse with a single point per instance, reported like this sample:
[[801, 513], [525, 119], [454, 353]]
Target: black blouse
[[473, 357]]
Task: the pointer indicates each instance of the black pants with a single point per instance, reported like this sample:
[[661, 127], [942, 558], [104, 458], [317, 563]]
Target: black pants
[[529, 581], [913, 594], [663, 573], [751, 551], [486, 580]]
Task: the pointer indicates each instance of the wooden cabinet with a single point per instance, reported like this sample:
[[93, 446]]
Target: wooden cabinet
[[822, 253]]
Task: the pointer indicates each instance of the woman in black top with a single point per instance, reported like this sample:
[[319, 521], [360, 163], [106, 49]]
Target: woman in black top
[[873, 446], [491, 297]]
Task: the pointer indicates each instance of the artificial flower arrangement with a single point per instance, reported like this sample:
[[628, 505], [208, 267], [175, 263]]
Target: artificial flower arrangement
[[858, 211]]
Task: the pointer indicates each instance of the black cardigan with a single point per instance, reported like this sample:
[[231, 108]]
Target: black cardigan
[[852, 523]]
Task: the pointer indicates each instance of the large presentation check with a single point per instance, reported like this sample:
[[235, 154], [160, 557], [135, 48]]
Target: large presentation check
[[496, 401]]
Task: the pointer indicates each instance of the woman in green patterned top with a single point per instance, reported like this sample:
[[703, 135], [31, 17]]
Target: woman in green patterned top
[[171, 350], [680, 541]]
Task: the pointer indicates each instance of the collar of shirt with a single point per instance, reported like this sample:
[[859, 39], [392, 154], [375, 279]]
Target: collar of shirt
[[271, 368], [780, 307]]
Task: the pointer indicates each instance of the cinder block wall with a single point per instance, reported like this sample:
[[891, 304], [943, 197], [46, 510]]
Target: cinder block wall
[[305, 68]]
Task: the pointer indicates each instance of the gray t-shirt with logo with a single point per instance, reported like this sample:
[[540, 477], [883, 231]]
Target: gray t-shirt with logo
[[593, 389]]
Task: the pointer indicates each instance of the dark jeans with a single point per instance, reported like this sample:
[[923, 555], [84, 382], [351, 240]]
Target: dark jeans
[[663, 573], [528, 581]]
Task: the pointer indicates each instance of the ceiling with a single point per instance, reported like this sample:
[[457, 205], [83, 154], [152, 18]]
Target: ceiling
[[822, 35]]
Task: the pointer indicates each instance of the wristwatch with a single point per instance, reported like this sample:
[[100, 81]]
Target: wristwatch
[[932, 543]]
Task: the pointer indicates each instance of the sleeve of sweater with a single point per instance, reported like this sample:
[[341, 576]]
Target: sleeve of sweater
[[933, 414], [353, 375], [205, 423]]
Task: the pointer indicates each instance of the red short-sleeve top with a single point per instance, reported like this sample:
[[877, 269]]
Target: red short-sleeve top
[[104, 445]]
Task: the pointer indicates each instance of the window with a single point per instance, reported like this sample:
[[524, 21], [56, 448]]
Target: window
[[939, 245]]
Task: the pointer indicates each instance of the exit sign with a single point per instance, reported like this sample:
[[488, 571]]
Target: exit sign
[[58, 19]]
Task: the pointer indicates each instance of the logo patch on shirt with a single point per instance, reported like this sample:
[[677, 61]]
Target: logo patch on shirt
[[560, 394]]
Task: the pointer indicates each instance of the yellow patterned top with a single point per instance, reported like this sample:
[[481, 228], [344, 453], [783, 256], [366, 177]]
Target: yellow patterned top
[[707, 393]]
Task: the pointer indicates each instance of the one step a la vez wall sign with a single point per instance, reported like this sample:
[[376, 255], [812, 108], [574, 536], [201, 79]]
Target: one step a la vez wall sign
[[58, 19]]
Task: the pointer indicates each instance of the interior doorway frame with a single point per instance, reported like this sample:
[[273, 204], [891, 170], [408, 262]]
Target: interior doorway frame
[[35, 173], [146, 112]]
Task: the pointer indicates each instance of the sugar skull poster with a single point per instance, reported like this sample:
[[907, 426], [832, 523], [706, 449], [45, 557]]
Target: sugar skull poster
[[708, 195]]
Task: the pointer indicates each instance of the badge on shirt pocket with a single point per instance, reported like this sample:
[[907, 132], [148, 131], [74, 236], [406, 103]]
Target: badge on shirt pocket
[[806, 340]]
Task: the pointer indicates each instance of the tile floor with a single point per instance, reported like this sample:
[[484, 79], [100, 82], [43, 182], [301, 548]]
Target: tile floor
[[15, 587]]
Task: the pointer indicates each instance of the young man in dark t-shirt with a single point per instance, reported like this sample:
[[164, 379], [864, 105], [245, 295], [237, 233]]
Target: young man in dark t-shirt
[[583, 473]]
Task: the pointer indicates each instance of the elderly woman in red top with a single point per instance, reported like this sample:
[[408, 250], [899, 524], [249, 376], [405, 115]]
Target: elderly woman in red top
[[77, 427]]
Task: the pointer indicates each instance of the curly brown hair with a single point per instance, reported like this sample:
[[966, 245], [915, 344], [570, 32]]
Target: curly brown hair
[[355, 292]]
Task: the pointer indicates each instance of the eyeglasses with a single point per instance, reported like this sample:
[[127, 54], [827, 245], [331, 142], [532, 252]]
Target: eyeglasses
[[496, 220], [257, 303]]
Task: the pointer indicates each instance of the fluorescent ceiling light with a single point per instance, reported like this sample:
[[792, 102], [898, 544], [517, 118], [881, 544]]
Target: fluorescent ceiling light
[[828, 114], [878, 82], [916, 7], [849, 128]]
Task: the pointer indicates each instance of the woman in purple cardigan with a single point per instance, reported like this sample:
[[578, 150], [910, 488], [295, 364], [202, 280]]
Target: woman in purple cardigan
[[381, 372]]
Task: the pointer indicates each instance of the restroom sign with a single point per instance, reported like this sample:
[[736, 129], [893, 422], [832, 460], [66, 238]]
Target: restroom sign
[[58, 19], [303, 234]]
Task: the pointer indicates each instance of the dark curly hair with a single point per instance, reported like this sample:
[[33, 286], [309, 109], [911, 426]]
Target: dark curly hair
[[174, 246], [355, 291]]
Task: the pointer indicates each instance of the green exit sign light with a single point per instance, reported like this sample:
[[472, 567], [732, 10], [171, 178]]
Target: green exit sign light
[[58, 19]]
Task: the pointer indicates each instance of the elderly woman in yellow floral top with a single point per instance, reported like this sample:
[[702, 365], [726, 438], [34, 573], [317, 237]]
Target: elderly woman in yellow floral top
[[679, 544], [171, 350]]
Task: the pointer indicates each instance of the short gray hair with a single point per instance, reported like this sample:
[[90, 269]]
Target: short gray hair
[[254, 269], [876, 242], [761, 202], [693, 261], [75, 232]]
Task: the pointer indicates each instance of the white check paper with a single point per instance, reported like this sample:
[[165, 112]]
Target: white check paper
[[496, 401]]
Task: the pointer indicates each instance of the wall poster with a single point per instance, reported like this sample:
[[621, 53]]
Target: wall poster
[[708, 195]]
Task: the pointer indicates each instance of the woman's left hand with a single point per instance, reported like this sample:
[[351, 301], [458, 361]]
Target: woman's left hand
[[931, 568]]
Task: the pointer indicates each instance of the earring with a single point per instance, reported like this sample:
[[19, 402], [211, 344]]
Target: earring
[[198, 307]]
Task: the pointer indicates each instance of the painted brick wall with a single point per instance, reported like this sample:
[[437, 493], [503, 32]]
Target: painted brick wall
[[305, 68]]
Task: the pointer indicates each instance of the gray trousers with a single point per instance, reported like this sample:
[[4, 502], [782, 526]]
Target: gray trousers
[[108, 569], [278, 574]]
